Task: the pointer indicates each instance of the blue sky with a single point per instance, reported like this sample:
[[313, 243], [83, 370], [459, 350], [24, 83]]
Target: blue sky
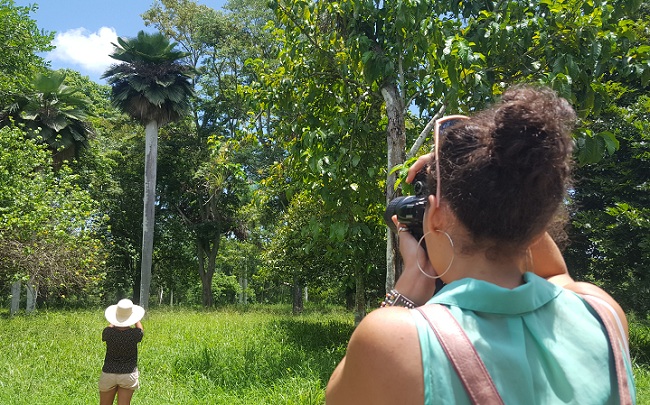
[[85, 29]]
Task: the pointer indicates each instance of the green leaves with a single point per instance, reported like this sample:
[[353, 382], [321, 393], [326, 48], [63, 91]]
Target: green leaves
[[47, 223], [23, 44], [54, 112], [609, 232], [592, 147], [151, 84]]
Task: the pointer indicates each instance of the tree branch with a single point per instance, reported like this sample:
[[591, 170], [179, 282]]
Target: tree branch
[[423, 135]]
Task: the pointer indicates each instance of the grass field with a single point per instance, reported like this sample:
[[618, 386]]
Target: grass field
[[260, 355]]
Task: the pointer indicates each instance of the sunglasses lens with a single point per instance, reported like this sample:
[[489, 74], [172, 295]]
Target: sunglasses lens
[[448, 124]]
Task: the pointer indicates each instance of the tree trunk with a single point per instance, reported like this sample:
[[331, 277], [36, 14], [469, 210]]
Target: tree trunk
[[148, 218], [206, 290], [136, 288], [207, 248], [396, 139], [15, 297], [243, 283], [298, 305], [360, 296]]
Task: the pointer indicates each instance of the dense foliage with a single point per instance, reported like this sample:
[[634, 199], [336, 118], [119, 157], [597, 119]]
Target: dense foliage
[[610, 238], [22, 43], [48, 225], [272, 188]]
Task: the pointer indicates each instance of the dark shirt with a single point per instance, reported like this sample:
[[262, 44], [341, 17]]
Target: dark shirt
[[121, 350]]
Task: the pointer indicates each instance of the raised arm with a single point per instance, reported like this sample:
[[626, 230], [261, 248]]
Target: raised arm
[[549, 264]]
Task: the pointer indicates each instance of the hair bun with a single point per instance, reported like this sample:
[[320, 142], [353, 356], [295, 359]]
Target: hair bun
[[512, 161], [532, 130]]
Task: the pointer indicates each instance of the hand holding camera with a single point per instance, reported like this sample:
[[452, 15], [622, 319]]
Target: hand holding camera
[[410, 209]]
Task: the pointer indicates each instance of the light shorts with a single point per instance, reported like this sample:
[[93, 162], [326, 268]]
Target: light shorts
[[108, 381]]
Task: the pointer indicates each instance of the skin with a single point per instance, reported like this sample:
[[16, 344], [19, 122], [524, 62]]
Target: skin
[[382, 364], [123, 395]]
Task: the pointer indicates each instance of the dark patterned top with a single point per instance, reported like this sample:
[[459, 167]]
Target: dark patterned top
[[121, 349]]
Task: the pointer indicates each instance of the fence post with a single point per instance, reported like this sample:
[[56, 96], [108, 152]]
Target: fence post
[[31, 298], [15, 297]]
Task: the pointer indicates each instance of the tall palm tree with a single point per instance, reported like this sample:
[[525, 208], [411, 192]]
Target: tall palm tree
[[55, 113], [154, 86]]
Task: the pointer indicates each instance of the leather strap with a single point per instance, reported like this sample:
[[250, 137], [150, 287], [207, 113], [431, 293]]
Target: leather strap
[[614, 341], [463, 355]]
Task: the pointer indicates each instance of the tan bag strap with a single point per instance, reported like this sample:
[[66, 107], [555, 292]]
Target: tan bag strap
[[462, 355], [614, 340]]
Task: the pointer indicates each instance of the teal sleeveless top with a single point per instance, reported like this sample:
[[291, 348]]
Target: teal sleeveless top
[[540, 343]]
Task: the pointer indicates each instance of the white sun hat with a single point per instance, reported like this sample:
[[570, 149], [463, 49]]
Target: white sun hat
[[125, 313]]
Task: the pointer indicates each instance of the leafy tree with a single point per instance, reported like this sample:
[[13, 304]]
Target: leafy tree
[[225, 183], [153, 86], [308, 249], [121, 150], [608, 236], [427, 58], [48, 224], [610, 226], [23, 44], [55, 113], [214, 146]]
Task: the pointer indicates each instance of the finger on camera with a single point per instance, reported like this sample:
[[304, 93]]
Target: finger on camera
[[417, 166], [398, 225]]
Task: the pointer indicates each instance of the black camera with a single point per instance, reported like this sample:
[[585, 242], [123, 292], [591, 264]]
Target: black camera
[[410, 209]]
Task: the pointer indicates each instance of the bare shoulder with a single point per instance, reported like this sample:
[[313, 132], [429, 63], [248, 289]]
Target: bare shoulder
[[382, 362]]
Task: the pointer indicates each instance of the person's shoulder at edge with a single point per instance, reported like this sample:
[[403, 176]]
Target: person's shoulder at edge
[[383, 363]]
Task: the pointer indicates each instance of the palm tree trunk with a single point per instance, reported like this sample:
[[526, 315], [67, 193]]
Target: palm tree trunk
[[148, 218]]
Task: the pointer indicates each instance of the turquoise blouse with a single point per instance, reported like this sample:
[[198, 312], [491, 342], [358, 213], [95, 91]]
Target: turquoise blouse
[[540, 343]]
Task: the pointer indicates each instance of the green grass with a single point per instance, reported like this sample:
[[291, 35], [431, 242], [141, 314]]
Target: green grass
[[640, 351], [258, 356], [261, 355]]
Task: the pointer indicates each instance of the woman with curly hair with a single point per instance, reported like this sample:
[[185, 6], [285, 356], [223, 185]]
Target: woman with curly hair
[[509, 325]]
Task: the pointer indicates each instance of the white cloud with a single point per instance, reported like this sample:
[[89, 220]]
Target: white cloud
[[88, 50]]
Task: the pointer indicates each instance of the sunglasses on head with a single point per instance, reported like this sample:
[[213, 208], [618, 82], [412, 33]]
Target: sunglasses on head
[[441, 125]]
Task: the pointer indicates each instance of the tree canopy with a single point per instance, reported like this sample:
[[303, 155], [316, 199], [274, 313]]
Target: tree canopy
[[289, 125]]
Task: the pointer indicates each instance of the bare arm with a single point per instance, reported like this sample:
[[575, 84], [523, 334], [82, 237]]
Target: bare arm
[[549, 264], [380, 366], [139, 325], [547, 261]]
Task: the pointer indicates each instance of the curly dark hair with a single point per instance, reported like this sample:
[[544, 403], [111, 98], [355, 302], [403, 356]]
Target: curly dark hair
[[506, 170]]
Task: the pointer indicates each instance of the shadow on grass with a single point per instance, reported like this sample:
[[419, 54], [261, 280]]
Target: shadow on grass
[[278, 350]]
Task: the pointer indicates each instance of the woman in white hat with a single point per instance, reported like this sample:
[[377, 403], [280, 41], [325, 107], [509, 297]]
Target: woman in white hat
[[120, 371]]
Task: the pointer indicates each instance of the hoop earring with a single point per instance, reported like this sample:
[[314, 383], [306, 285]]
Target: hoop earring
[[451, 242]]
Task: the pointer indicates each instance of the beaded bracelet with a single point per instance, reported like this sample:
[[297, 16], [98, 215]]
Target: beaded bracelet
[[395, 299]]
